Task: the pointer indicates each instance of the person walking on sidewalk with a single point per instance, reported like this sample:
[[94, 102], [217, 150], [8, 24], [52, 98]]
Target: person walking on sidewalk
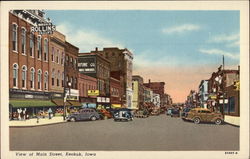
[[19, 111], [50, 113], [24, 114]]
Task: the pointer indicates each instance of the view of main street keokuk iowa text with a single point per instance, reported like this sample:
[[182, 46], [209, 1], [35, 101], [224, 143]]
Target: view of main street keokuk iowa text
[[124, 80]]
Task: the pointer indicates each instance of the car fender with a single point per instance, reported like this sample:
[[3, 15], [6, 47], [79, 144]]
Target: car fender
[[217, 118]]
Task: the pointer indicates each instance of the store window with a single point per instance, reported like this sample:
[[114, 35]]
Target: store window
[[46, 49], [32, 78], [46, 80], [39, 79], [15, 75], [23, 40], [39, 51], [24, 76], [31, 45], [14, 37], [232, 104]]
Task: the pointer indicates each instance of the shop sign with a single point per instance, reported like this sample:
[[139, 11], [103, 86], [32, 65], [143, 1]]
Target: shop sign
[[99, 99], [103, 100], [107, 100], [43, 28], [93, 92], [57, 95], [87, 64], [28, 96], [71, 97], [213, 96]]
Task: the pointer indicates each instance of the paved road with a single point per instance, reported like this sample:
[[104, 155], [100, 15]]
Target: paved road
[[161, 133]]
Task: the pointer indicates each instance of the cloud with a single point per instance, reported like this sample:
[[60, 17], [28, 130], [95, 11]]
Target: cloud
[[234, 44], [230, 40], [86, 40], [181, 29], [219, 52]]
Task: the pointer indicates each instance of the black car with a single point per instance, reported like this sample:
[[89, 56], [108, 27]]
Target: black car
[[175, 113], [84, 114]]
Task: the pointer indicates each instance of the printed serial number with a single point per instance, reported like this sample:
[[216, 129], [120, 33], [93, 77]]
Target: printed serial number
[[231, 153]]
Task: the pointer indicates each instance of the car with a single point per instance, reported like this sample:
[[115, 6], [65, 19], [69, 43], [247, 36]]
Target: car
[[169, 111], [84, 114], [123, 115], [198, 115], [104, 114], [175, 113]]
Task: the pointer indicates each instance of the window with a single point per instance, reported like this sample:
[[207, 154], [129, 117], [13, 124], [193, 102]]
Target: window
[[53, 54], [14, 37], [232, 104], [46, 80], [67, 58], [39, 79], [53, 77], [71, 81], [71, 60], [39, 47], [62, 79], [75, 83], [75, 63], [57, 57], [32, 78], [31, 45], [15, 75], [24, 76], [46, 47], [62, 59], [23, 40], [58, 77]]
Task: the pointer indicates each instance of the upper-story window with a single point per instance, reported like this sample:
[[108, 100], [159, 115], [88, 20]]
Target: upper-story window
[[53, 77], [67, 59], [53, 54], [62, 59], [46, 80], [39, 49], [39, 78], [57, 56], [62, 79], [24, 76], [46, 49], [23, 40], [14, 37], [31, 45], [75, 63], [58, 78], [15, 75], [32, 78], [71, 60]]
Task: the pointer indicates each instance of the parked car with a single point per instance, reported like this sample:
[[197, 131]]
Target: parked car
[[169, 111], [84, 114], [104, 114], [175, 113], [123, 115], [185, 112], [198, 115]]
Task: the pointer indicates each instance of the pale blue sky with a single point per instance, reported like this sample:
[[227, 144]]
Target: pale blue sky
[[168, 38]]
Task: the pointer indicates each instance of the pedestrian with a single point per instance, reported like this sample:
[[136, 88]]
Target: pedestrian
[[19, 111], [50, 113], [24, 114]]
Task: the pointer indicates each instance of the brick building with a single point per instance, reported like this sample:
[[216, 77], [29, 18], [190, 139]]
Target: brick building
[[138, 92], [115, 93], [121, 61], [157, 87]]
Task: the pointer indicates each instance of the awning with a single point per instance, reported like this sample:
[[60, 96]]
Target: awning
[[75, 103], [59, 102], [16, 103], [116, 105]]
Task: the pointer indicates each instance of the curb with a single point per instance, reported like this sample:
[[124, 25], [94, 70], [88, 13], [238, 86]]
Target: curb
[[28, 126]]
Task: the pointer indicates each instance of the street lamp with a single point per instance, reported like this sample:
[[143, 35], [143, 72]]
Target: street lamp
[[65, 99]]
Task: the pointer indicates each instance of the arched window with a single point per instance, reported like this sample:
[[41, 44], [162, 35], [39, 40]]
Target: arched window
[[24, 76], [39, 78], [46, 80], [53, 55], [32, 78], [23, 40], [58, 77], [57, 56], [31, 44], [46, 49], [39, 49], [14, 37], [53, 77], [15, 75]]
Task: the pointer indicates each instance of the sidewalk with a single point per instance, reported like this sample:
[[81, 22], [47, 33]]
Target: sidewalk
[[33, 122]]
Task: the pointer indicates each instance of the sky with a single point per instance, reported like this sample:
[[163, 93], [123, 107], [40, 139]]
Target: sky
[[180, 48]]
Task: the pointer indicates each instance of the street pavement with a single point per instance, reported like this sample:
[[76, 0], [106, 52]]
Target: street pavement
[[156, 133]]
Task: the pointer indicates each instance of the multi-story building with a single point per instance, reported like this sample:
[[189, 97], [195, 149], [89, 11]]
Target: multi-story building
[[156, 99], [138, 92], [203, 93], [121, 61], [115, 93], [157, 87], [86, 84], [29, 62], [94, 65]]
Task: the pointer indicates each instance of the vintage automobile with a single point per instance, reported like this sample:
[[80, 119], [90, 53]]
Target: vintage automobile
[[169, 111], [141, 114], [104, 114], [198, 115], [184, 113], [155, 111], [123, 115], [175, 113], [84, 114]]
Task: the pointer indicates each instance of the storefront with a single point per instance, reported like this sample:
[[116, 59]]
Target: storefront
[[103, 103]]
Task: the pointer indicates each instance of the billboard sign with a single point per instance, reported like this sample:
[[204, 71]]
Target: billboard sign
[[93, 92], [87, 64]]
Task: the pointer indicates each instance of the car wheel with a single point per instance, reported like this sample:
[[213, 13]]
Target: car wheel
[[93, 118], [197, 120], [218, 121], [72, 119]]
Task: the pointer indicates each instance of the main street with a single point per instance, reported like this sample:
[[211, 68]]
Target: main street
[[161, 133]]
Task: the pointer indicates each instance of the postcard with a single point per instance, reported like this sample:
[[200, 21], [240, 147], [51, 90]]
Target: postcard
[[117, 79]]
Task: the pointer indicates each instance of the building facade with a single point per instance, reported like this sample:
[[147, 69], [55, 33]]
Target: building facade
[[138, 92], [203, 93], [115, 93]]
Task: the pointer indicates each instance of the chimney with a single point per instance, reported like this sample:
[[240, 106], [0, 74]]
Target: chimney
[[96, 49]]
